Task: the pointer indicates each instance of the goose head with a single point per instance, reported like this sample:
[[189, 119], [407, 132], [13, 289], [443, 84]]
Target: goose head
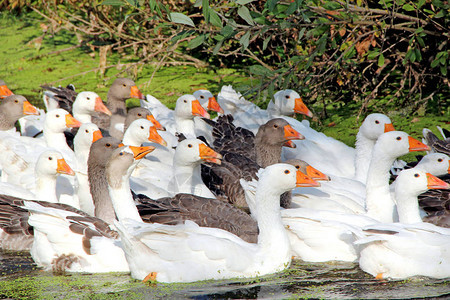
[[374, 125], [86, 135], [435, 163], [14, 107], [4, 90], [278, 132], [414, 182], [89, 102], [141, 131], [208, 101], [58, 120], [305, 168], [101, 151], [193, 151], [122, 163], [187, 107], [123, 89], [283, 177], [52, 163], [289, 103], [393, 144], [141, 113]]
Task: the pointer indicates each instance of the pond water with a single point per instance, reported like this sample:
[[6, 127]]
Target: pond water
[[21, 279]]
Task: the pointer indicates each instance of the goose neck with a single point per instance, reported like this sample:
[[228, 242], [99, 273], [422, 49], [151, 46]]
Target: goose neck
[[379, 203], [46, 188], [185, 126], [123, 202], [407, 207], [363, 156]]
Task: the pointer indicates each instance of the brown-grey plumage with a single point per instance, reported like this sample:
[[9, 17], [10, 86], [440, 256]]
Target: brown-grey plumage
[[65, 96], [441, 146], [11, 110], [436, 203], [99, 155], [205, 212], [243, 155]]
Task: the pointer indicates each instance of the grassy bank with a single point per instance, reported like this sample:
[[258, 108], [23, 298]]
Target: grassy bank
[[29, 58]]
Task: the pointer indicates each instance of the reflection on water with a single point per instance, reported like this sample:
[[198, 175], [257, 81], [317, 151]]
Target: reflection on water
[[20, 279]]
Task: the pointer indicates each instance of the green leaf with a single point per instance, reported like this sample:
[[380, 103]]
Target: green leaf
[[408, 7], [266, 42], [134, 3], [198, 3], [214, 18], [217, 47], [420, 3], [271, 4], [181, 19], [301, 33], [412, 57], [206, 10], [271, 87], [291, 9], [381, 60], [260, 70], [113, 2], [227, 31], [243, 2], [443, 70], [418, 54], [197, 41], [373, 54], [434, 63], [440, 14], [244, 40], [244, 13]]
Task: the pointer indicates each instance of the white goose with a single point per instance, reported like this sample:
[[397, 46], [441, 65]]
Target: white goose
[[86, 104], [187, 252], [320, 235], [408, 248]]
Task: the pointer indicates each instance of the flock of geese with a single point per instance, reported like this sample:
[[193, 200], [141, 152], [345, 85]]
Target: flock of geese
[[174, 196]]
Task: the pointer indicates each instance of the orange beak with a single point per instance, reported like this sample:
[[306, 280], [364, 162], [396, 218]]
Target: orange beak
[[96, 135], [316, 174], [71, 121], [158, 125], [100, 107], [155, 137], [5, 91], [435, 183], [300, 108], [415, 145], [209, 155], [388, 127], [141, 152], [198, 110], [448, 167], [290, 144], [292, 134], [136, 93], [304, 181], [29, 109], [214, 105], [63, 167]]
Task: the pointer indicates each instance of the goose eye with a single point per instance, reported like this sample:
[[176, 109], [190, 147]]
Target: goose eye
[[440, 160], [287, 171], [275, 126], [399, 138], [416, 175], [121, 153], [87, 131], [287, 96], [88, 98], [185, 101], [142, 127], [297, 167], [202, 97], [108, 145], [16, 101], [124, 85], [139, 115], [190, 145], [50, 158], [57, 116], [377, 122]]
